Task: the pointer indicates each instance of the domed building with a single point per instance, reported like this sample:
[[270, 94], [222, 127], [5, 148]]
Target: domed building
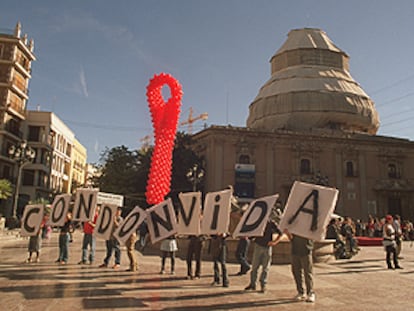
[[311, 121]]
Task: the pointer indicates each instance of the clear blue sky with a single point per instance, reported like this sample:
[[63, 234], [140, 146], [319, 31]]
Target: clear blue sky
[[95, 58]]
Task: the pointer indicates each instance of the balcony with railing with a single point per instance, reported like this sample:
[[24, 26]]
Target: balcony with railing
[[17, 106]]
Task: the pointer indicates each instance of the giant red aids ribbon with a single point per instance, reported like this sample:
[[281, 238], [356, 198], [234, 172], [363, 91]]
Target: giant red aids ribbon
[[164, 117]]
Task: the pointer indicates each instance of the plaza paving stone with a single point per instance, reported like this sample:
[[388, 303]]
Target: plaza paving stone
[[361, 283]]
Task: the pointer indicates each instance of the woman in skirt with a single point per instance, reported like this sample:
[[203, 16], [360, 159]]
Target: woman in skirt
[[168, 249]]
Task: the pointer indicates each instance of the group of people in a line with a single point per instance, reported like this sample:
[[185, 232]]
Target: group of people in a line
[[302, 264], [262, 253], [343, 230]]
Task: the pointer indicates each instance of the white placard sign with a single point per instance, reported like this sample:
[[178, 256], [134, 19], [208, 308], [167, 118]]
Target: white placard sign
[[254, 220], [216, 213], [59, 210], [110, 198], [308, 210], [130, 224], [189, 213], [32, 219], [105, 221], [85, 204], [162, 221]]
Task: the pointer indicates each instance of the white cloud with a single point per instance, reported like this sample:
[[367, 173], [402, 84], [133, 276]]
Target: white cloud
[[80, 86], [83, 84], [84, 22]]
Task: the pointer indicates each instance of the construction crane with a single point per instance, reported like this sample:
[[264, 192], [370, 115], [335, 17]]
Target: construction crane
[[190, 120]]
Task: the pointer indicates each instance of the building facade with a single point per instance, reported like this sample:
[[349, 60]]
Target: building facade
[[79, 168], [16, 57], [54, 143], [59, 159], [312, 122]]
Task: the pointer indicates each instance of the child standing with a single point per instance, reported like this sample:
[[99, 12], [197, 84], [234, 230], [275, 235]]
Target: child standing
[[168, 249]]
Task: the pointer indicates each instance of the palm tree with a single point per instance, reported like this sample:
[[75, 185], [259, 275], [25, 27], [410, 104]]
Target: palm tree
[[6, 189]]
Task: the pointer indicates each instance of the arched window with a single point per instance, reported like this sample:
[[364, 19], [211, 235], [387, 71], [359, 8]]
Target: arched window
[[305, 167], [244, 159], [350, 169], [392, 171]]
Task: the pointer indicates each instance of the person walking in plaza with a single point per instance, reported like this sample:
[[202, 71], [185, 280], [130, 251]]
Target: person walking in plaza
[[112, 245], [89, 239], [389, 243], [168, 248], [302, 266], [241, 255], [262, 255], [64, 237], [195, 244], [218, 251]]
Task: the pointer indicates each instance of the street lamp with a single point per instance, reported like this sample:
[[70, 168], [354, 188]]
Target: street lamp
[[195, 175], [22, 154]]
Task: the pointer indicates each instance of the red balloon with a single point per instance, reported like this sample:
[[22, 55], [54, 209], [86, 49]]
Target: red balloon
[[164, 116]]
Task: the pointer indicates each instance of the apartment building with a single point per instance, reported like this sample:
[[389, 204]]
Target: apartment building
[[54, 143], [79, 157]]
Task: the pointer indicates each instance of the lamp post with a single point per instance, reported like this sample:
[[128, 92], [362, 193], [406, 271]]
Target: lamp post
[[22, 154], [195, 175]]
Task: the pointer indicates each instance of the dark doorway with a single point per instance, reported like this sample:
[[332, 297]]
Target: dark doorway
[[394, 206]]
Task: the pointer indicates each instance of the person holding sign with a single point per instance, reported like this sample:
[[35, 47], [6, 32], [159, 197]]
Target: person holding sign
[[195, 245], [218, 250], [262, 255], [64, 237], [130, 246], [168, 248], [35, 242], [112, 245], [302, 266], [89, 239], [241, 254]]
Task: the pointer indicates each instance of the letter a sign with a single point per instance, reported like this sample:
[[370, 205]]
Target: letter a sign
[[308, 210]]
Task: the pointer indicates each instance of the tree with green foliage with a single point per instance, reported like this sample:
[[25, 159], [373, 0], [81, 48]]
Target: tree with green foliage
[[126, 172], [6, 189]]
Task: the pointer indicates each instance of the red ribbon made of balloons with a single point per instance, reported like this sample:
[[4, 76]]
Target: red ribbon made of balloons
[[164, 117]]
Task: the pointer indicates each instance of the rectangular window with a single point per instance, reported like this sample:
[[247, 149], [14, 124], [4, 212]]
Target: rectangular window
[[34, 133], [28, 177]]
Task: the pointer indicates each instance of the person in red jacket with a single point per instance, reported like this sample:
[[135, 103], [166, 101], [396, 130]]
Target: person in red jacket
[[89, 239]]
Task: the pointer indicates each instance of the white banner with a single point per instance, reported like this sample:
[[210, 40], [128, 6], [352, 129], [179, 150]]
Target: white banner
[[110, 198], [308, 210], [254, 220], [216, 213], [189, 215], [32, 219]]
